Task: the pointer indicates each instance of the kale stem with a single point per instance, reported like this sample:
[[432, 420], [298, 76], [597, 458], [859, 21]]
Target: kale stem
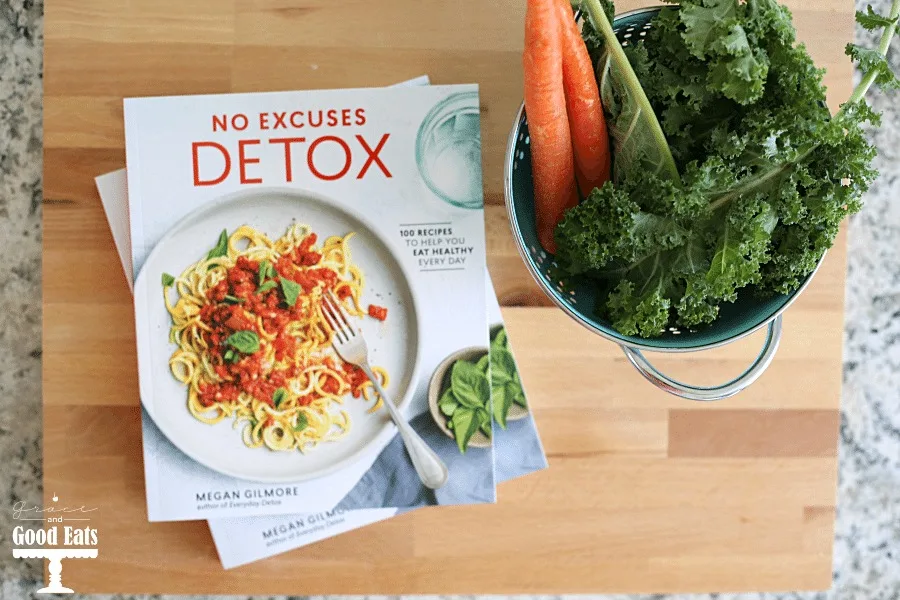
[[883, 47], [603, 26]]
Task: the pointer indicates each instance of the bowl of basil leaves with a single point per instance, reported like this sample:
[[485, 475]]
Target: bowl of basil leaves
[[474, 388], [459, 397], [730, 179]]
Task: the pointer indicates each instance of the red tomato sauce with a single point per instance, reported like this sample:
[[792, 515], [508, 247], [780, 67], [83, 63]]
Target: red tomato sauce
[[235, 304]]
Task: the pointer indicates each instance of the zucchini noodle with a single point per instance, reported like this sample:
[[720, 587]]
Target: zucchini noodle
[[253, 344]]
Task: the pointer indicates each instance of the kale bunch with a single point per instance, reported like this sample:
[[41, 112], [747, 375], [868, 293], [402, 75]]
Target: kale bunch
[[765, 174]]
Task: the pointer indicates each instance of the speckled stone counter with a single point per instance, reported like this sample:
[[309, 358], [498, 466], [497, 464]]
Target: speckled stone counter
[[20, 277], [867, 547]]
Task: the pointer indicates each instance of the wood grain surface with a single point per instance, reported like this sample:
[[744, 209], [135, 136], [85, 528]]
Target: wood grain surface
[[645, 492]]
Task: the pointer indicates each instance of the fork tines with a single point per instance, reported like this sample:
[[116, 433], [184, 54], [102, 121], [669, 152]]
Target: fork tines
[[337, 317]]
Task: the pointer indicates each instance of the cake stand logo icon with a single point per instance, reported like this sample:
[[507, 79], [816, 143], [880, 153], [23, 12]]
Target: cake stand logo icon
[[64, 532]]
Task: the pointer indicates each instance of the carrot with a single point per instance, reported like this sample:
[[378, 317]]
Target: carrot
[[552, 161], [590, 138]]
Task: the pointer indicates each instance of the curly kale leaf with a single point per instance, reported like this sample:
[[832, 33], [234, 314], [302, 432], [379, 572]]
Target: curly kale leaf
[[871, 20], [873, 62], [713, 32], [613, 224], [644, 312], [743, 246], [593, 234]]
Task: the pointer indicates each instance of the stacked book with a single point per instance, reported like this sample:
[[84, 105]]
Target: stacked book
[[319, 344]]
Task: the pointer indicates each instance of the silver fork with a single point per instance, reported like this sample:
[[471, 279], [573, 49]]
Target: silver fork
[[351, 346]]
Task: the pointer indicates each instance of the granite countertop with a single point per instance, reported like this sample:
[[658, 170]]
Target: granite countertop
[[867, 547]]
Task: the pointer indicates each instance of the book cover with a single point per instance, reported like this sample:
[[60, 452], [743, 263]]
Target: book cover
[[256, 221], [242, 540]]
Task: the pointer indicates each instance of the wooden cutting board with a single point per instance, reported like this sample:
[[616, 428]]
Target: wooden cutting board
[[646, 493]]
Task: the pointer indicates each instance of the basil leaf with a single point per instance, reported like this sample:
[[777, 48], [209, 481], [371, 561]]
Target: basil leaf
[[302, 422], [244, 341], [167, 280], [484, 364], [486, 429], [501, 400], [469, 401], [233, 299], [291, 290], [450, 425], [484, 420], [264, 267], [503, 366], [465, 424], [448, 404], [221, 248], [278, 397], [500, 339], [470, 385], [267, 286], [229, 354], [518, 393]]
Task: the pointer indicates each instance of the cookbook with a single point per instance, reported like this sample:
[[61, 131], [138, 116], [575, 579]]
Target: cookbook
[[264, 229], [517, 449]]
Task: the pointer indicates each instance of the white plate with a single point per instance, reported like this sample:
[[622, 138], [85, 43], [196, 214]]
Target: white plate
[[394, 344]]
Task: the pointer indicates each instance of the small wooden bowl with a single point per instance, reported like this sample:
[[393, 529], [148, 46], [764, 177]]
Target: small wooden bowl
[[440, 380], [516, 412]]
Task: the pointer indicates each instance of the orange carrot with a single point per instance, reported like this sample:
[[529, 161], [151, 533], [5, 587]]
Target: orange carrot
[[590, 138], [552, 161]]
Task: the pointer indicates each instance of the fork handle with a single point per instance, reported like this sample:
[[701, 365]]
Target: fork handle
[[429, 466]]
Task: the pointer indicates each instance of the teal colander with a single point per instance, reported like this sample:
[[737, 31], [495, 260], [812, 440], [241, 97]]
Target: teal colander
[[736, 320]]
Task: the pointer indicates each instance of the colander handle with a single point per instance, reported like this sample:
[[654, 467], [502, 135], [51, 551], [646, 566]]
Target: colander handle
[[719, 392]]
